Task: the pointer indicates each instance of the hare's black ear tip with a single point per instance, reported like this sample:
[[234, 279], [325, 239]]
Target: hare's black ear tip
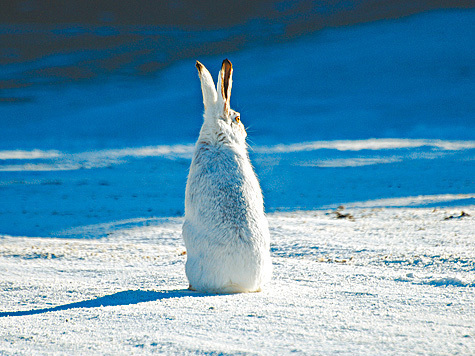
[[227, 62], [199, 66]]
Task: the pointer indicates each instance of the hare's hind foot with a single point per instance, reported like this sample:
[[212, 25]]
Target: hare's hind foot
[[236, 288], [191, 288]]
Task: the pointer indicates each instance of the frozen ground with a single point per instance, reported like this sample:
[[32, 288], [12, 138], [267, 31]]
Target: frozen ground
[[377, 117], [384, 281], [396, 95], [53, 193]]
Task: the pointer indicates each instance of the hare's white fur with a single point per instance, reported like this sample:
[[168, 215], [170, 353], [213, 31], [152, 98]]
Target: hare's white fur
[[225, 231]]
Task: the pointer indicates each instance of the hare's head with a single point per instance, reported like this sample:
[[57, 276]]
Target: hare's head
[[218, 116]]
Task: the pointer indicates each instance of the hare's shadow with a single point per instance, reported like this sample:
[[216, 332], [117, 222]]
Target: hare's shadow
[[120, 298]]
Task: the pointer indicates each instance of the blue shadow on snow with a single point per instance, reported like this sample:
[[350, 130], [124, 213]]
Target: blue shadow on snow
[[120, 298]]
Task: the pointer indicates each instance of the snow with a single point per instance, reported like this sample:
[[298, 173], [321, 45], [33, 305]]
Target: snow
[[407, 78], [367, 173], [389, 280], [42, 186], [370, 144]]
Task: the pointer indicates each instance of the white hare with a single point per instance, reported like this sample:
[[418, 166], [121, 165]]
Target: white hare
[[225, 231]]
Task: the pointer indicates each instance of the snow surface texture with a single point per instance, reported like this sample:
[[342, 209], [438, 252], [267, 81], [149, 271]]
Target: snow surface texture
[[381, 281], [53, 193], [92, 183]]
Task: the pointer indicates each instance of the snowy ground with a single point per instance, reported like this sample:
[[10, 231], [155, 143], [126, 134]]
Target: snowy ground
[[381, 281], [376, 117], [54, 193]]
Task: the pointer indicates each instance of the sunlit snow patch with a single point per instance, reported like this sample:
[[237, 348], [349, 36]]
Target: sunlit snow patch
[[370, 144], [34, 154], [61, 161], [349, 162], [420, 200]]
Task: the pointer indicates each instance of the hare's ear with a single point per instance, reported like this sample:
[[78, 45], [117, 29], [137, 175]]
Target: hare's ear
[[225, 83], [207, 86]]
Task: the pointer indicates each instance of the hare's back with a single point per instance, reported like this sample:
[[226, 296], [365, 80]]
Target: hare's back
[[223, 188]]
